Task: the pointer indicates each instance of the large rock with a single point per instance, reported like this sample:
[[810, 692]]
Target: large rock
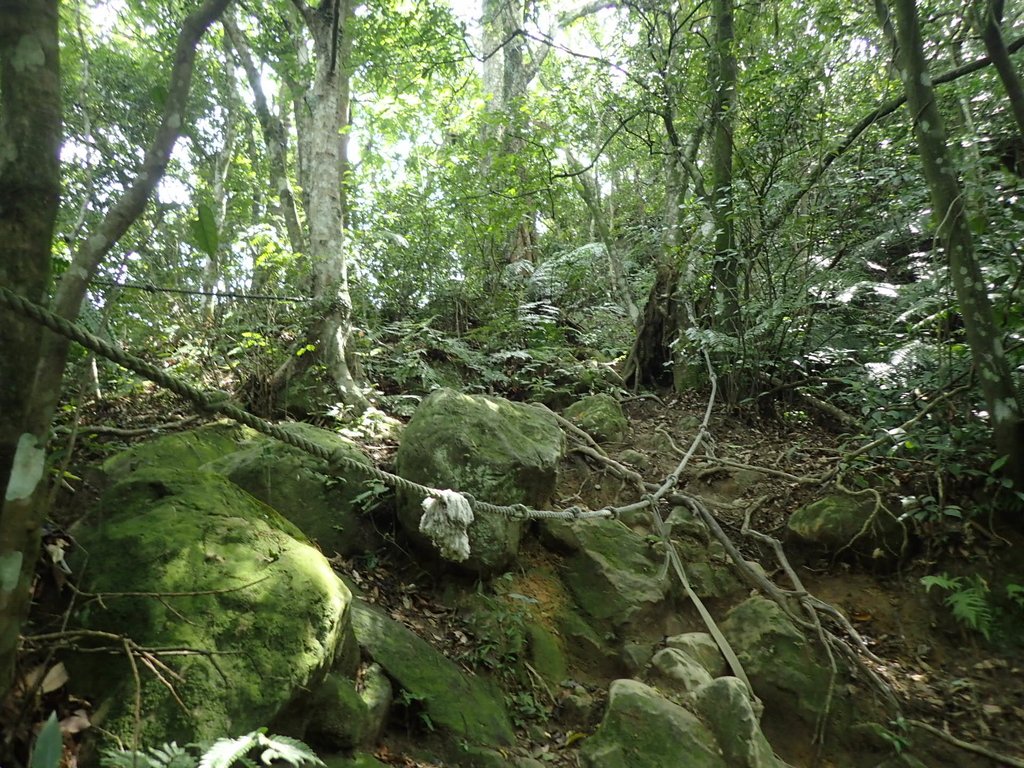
[[613, 573], [497, 450], [787, 672], [679, 670], [641, 729], [320, 500], [179, 450], [462, 707], [726, 706], [843, 523], [345, 717], [600, 416], [702, 648], [261, 611]]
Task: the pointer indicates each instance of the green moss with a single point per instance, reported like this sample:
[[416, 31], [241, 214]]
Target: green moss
[[600, 416], [181, 450], [547, 655], [786, 672], [641, 729], [463, 706], [499, 451], [320, 500], [262, 620], [613, 575]]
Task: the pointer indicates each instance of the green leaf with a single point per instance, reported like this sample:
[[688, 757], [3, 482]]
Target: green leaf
[[998, 464], [49, 745], [226, 752], [292, 751], [204, 230]]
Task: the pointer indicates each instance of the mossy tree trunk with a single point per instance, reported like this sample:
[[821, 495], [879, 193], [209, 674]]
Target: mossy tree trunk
[[954, 233], [727, 319]]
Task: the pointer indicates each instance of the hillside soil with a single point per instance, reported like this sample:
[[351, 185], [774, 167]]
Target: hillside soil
[[945, 675]]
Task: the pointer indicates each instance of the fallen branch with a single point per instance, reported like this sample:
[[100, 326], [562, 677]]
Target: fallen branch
[[968, 746], [100, 429]]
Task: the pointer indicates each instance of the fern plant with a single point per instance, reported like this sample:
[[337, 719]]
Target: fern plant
[[967, 599], [251, 751]]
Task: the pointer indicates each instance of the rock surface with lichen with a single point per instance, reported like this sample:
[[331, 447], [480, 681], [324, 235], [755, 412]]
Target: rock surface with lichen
[[498, 451], [256, 614]]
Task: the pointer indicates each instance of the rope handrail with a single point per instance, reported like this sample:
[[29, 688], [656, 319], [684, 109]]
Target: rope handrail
[[215, 401]]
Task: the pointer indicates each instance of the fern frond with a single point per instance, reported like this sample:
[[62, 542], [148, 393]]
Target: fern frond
[[292, 751], [226, 752], [970, 606], [173, 756]]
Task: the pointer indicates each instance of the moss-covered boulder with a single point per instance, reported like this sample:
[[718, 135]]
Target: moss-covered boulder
[[613, 573], [180, 450], [497, 450], [841, 523], [788, 673], [725, 705], [459, 705], [319, 499], [600, 416], [258, 614], [642, 729], [678, 671], [702, 648], [345, 716], [546, 653]]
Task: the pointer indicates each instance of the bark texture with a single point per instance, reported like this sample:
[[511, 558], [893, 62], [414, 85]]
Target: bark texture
[[988, 19], [30, 135], [954, 233], [323, 136], [31, 74]]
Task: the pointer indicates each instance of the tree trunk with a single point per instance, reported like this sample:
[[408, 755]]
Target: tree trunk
[[988, 20], [726, 264], [274, 136], [588, 190], [30, 137], [324, 140], [955, 235], [507, 75], [29, 82]]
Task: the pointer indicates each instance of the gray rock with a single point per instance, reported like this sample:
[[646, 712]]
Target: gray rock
[[702, 648], [637, 656], [464, 707], [786, 671], [249, 587], [497, 450], [613, 573], [726, 706], [319, 499], [679, 671], [842, 523], [641, 729], [600, 416]]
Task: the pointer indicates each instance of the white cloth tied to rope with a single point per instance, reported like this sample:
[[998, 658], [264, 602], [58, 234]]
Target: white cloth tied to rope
[[446, 521]]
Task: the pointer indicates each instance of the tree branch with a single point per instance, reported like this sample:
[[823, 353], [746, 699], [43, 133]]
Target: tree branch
[[884, 110]]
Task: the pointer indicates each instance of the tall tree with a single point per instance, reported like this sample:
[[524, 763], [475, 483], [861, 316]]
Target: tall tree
[[726, 261], [322, 120], [30, 136], [31, 122], [953, 229]]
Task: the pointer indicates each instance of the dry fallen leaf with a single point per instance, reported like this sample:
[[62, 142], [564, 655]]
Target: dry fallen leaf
[[76, 722]]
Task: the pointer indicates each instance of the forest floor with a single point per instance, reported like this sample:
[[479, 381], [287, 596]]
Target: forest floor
[[944, 675]]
